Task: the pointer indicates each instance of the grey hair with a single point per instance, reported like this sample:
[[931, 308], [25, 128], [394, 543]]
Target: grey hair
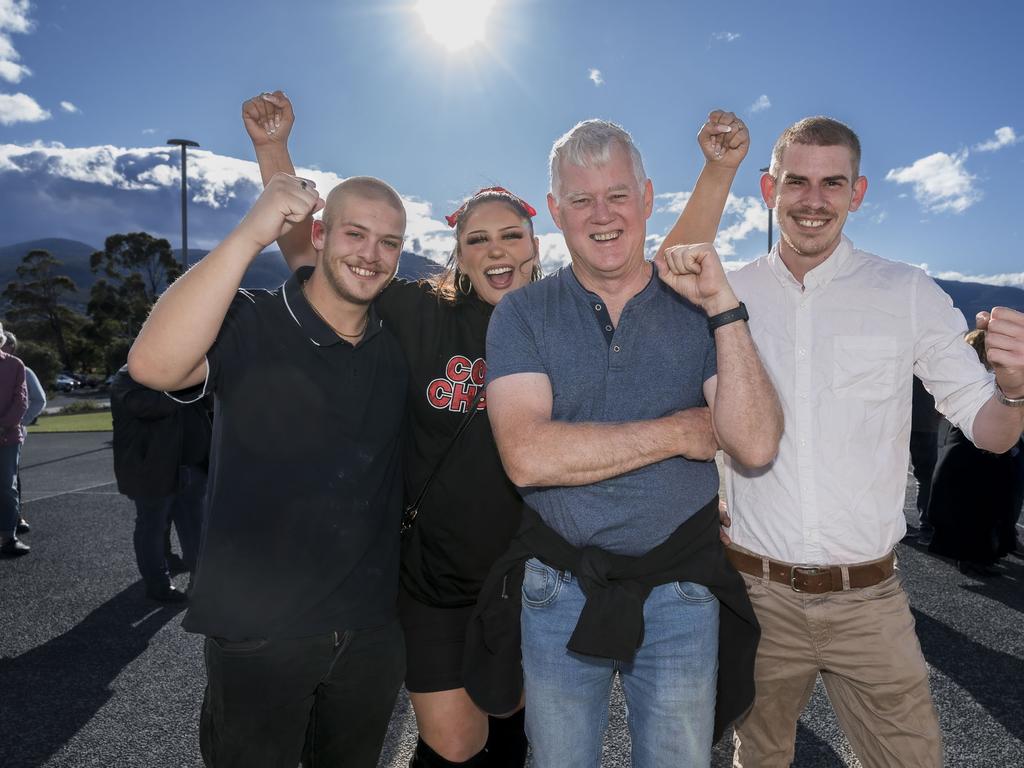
[[590, 143]]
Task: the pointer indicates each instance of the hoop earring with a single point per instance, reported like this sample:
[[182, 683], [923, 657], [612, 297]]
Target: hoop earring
[[466, 288]]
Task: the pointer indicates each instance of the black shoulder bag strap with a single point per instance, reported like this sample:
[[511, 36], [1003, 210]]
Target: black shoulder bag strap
[[412, 510]]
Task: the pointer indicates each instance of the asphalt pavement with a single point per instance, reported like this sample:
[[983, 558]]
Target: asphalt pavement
[[94, 674]]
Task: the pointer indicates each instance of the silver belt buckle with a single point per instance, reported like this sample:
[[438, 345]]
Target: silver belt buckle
[[809, 570]]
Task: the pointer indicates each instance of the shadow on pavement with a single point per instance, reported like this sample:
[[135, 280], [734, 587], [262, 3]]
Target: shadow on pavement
[[1006, 590], [107, 446], [50, 692], [992, 678]]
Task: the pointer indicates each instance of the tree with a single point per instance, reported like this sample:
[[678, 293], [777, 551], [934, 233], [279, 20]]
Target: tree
[[140, 259], [41, 359], [37, 301], [135, 268]]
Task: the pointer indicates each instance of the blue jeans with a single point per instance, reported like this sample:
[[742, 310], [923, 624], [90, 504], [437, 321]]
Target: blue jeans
[[669, 685], [185, 509], [10, 510]]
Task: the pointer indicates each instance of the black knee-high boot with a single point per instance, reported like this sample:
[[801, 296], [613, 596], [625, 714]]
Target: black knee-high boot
[[506, 741], [425, 757]]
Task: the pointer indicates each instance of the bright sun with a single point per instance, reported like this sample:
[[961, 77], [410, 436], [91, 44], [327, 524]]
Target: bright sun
[[455, 24]]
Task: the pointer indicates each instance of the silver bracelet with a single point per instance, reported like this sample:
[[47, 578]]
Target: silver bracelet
[[1012, 402]]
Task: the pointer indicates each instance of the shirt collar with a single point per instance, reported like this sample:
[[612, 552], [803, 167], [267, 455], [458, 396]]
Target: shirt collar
[[568, 277], [300, 310], [818, 277]]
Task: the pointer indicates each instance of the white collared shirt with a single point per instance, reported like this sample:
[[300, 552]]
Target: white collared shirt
[[841, 352]]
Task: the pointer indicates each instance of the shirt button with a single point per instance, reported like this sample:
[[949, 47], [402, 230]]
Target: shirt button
[[803, 352], [608, 328], [597, 307], [616, 348]]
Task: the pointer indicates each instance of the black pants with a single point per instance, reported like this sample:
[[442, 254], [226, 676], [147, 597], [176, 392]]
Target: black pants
[[262, 696]]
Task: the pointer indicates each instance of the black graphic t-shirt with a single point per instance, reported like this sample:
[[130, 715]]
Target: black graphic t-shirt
[[471, 510]]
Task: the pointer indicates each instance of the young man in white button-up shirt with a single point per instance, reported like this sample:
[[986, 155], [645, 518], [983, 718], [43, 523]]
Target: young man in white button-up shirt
[[842, 333]]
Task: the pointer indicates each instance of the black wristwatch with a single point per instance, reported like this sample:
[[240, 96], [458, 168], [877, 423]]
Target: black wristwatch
[[729, 316]]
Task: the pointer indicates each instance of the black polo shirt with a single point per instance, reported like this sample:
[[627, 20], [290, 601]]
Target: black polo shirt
[[304, 497]]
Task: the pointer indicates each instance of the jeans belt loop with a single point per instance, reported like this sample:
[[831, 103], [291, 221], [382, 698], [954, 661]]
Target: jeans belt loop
[[766, 569], [846, 577]]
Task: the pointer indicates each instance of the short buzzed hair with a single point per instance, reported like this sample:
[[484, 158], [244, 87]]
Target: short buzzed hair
[[818, 132], [590, 143], [366, 187]]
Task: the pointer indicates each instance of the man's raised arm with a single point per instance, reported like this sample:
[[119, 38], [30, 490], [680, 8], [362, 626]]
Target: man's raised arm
[[268, 120], [169, 353], [724, 141], [745, 408]]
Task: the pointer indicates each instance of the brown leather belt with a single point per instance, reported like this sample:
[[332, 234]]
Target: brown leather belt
[[815, 579]]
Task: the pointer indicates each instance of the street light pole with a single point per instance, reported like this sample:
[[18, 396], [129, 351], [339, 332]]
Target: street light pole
[[765, 170], [184, 144]]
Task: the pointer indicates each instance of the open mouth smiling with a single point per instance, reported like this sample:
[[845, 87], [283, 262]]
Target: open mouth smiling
[[499, 277], [366, 274], [604, 237]]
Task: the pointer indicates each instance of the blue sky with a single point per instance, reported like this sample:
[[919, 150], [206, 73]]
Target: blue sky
[[90, 91]]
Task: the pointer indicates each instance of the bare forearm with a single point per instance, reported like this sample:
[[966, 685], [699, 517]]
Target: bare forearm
[[565, 453], [296, 245], [997, 427], [186, 320], [698, 223], [747, 413]]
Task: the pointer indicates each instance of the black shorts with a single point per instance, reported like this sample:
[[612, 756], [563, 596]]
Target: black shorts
[[435, 639]]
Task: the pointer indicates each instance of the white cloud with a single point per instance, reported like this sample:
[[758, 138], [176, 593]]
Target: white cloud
[[1005, 137], [14, 16], [553, 252], [19, 108], [743, 217], [941, 182], [105, 189], [726, 37], [673, 202], [595, 77], [12, 72], [148, 131], [67, 106], [13, 20], [1012, 279], [761, 104]]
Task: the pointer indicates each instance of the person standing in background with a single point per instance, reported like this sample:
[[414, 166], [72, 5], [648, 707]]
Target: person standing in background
[[13, 404], [161, 454], [36, 404]]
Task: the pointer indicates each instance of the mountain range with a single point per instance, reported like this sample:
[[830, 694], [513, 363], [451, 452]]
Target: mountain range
[[269, 271]]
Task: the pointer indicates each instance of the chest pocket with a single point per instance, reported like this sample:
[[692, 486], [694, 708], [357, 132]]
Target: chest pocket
[[864, 367]]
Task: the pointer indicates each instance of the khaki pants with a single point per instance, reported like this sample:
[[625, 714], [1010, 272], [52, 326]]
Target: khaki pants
[[862, 643]]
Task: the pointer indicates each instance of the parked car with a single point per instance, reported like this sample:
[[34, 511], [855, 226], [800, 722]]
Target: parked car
[[65, 383], [86, 379]]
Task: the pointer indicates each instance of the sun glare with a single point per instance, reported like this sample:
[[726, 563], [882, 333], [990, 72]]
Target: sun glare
[[455, 24]]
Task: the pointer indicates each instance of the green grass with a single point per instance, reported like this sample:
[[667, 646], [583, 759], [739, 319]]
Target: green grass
[[98, 421]]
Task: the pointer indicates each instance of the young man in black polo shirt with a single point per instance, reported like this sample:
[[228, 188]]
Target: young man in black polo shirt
[[296, 583]]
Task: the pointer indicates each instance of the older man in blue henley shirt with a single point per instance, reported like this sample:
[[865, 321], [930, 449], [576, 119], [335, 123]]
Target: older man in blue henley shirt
[[598, 382]]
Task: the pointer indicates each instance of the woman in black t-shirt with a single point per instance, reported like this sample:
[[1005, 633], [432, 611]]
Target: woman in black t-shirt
[[469, 510]]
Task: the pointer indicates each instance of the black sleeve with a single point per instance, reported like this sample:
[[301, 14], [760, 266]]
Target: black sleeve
[[234, 346]]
